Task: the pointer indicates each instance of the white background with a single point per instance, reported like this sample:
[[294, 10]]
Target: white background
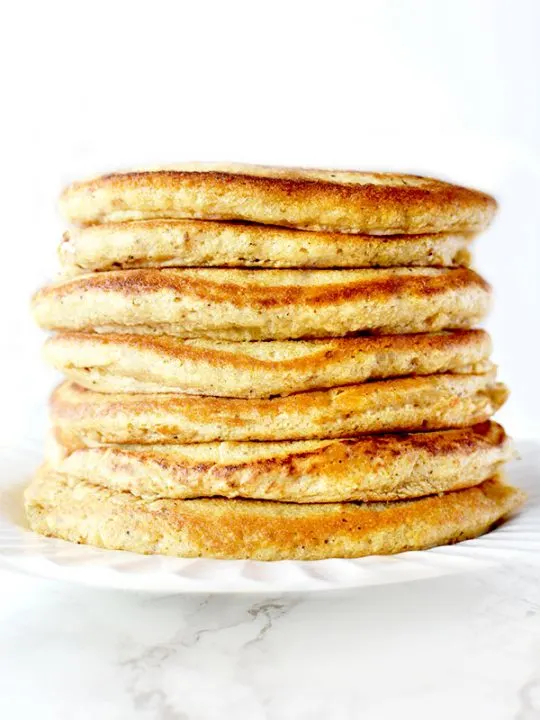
[[448, 88]]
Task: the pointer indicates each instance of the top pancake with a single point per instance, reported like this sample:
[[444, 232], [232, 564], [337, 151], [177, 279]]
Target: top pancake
[[63, 507], [309, 199]]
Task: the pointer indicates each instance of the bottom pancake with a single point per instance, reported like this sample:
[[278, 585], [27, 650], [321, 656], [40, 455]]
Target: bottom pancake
[[366, 468], [57, 505]]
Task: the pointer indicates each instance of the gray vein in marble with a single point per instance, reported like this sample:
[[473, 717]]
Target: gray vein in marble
[[230, 624], [271, 610], [529, 699], [156, 701]]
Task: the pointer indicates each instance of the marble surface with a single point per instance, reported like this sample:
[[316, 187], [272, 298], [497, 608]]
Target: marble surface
[[457, 647]]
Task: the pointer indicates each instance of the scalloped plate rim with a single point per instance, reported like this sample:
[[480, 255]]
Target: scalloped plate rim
[[23, 550]]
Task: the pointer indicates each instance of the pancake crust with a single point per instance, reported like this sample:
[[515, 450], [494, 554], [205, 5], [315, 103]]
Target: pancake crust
[[368, 468], [161, 364], [59, 506], [83, 417], [202, 243], [265, 304], [327, 200]]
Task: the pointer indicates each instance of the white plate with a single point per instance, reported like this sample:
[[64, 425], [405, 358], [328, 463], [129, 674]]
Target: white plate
[[516, 540]]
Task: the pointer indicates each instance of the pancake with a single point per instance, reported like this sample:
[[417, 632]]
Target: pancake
[[83, 417], [327, 200], [161, 364], [56, 505], [202, 243], [368, 468], [265, 304]]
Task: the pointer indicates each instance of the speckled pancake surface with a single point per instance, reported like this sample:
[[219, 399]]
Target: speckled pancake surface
[[203, 243], [83, 417], [56, 505], [367, 468], [164, 364], [327, 200], [265, 304]]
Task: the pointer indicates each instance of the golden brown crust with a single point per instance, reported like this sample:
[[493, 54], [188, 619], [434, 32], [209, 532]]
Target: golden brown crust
[[348, 202], [58, 506], [203, 243], [150, 363], [265, 304], [82, 417], [368, 468]]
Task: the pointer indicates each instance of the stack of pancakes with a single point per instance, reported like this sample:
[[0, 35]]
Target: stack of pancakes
[[270, 363]]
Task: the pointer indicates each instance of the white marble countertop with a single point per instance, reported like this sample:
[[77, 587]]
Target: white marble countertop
[[463, 646]]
